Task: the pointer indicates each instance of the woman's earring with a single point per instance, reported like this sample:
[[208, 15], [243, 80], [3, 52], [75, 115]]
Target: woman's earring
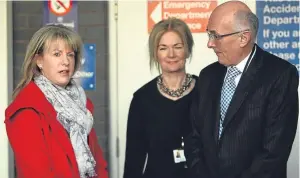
[[40, 67]]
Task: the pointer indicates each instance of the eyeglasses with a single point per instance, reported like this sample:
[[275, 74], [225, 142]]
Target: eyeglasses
[[212, 35]]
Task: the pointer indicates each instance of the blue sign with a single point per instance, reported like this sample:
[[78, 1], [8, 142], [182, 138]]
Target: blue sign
[[86, 75], [279, 28], [61, 12]]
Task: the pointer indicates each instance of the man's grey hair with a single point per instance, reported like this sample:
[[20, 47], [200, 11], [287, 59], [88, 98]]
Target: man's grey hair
[[247, 20]]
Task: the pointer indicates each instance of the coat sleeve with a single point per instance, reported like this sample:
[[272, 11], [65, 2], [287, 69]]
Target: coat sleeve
[[281, 125], [101, 164], [135, 155], [28, 143], [193, 147]]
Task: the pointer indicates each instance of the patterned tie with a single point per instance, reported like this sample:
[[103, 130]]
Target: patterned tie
[[227, 93]]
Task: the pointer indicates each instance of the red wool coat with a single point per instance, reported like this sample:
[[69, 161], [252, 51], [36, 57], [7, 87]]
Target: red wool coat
[[41, 145]]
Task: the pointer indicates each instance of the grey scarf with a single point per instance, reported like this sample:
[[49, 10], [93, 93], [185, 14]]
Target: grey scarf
[[70, 105]]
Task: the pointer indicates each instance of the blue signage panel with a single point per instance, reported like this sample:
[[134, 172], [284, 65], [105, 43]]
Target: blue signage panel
[[86, 75], [279, 28], [61, 12]]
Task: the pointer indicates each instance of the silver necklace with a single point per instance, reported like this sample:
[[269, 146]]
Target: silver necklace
[[178, 92]]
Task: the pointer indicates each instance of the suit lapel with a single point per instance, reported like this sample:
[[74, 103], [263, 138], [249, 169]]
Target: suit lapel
[[212, 111], [243, 88], [216, 96]]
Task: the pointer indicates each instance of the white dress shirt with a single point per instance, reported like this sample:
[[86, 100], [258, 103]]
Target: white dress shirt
[[241, 66]]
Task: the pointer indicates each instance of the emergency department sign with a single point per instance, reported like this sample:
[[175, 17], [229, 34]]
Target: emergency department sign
[[195, 13]]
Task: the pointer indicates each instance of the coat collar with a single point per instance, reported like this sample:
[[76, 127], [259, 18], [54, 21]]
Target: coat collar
[[47, 114]]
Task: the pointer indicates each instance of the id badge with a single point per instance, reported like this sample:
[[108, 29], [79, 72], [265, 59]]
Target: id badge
[[178, 155]]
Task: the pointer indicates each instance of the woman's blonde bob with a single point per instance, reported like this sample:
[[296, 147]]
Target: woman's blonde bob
[[39, 43]]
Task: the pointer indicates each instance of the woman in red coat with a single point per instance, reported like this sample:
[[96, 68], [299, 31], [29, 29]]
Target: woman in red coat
[[50, 123]]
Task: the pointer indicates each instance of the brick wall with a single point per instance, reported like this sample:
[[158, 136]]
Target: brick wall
[[92, 27]]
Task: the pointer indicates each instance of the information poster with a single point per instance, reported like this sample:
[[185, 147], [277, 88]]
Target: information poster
[[86, 75], [279, 28]]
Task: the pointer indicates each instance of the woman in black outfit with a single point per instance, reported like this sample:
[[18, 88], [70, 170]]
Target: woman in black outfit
[[158, 115]]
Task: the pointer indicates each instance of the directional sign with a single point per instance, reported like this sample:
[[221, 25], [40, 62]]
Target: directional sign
[[86, 75], [60, 7], [194, 13]]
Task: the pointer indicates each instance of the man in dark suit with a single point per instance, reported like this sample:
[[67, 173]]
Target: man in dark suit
[[246, 109]]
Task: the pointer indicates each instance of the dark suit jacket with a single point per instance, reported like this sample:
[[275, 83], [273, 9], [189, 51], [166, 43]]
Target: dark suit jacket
[[259, 127]]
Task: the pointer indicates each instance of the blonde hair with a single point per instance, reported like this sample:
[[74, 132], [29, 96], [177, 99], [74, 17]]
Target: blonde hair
[[39, 43], [172, 24]]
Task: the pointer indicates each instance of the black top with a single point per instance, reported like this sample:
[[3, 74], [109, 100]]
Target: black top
[[155, 127]]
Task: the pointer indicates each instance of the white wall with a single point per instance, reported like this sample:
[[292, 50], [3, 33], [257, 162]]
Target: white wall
[[129, 70], [6, 86]]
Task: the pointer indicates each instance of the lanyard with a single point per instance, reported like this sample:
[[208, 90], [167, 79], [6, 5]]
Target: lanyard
[[249, 60]]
